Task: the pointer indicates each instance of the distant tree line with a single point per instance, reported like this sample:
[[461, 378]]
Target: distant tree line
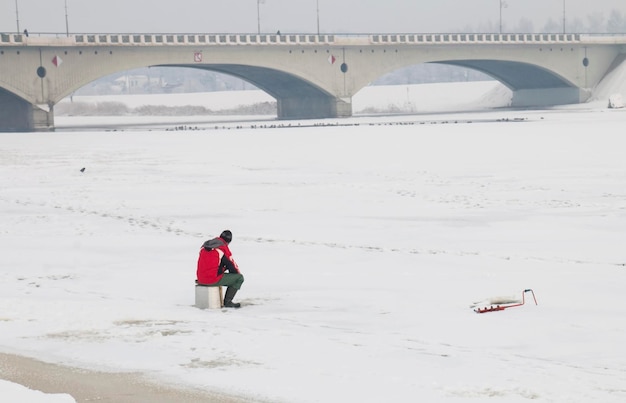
[[163, 80], [113, 108], [595, 23]]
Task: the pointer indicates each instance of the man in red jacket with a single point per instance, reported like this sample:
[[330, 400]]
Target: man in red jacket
[[216, 266]]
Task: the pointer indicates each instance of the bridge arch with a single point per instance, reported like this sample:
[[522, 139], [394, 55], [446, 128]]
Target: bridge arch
[[515, 75], [534, 80], [295, 96]]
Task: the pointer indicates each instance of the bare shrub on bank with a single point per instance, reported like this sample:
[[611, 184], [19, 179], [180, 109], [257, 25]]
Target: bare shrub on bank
[[92, 109]]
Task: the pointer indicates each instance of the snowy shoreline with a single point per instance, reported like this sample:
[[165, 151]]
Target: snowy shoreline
[[88, 385]]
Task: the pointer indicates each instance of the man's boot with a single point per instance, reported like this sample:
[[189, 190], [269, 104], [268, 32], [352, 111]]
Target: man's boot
[[228, 298]]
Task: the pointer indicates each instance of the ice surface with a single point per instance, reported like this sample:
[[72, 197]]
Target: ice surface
[[364, 248]]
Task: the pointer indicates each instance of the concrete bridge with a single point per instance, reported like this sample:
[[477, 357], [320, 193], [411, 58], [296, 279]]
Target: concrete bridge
[[311, 76]]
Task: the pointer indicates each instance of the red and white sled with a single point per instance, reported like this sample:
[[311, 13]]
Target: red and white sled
[[502, 307]]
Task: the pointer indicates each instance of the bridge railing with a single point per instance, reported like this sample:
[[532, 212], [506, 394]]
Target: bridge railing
[[169, 39], [474, 38], [302, 39], [201, 39]]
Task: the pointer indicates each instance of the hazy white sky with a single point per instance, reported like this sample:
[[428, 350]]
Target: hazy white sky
[[335, 16]]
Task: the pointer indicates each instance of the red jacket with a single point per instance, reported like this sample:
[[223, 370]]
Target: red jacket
[[215, 258]]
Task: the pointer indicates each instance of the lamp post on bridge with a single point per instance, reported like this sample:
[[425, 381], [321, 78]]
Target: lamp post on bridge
[[258, 15], [67, 26], [17, 17], [563, 16], [318, 17], [502, 5]]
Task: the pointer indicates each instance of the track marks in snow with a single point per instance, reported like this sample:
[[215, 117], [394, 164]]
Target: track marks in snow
[[130, 330], [218, 362], [443, 252], [141, 222], [170, 227], [492, 392]]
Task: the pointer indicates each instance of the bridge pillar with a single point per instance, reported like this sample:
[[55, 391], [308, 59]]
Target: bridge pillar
[[313, 107], [538, 97], [18, 115], [344, 109], [43, 120]]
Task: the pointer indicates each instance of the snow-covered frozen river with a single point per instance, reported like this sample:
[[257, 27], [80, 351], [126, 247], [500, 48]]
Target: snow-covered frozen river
[[364, 248]]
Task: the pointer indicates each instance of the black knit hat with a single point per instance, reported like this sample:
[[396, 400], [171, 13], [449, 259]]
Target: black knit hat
[[227, 236]]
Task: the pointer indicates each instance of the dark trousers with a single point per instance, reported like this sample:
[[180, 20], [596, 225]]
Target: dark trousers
[[234, 280]]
